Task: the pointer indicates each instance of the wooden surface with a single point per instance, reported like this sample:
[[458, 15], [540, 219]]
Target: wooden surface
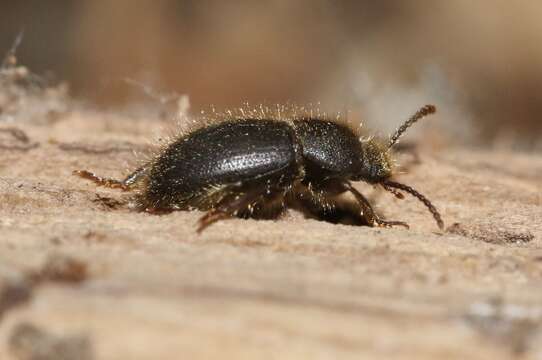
[[293, 288]]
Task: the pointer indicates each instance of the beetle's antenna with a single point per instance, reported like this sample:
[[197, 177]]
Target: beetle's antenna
[[394, 191], [388, 185], [423, 112]]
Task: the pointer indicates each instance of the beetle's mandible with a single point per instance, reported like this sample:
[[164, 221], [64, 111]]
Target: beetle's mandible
[[246, 166]]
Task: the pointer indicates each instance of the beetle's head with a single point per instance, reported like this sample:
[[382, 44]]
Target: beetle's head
[[377, 163]]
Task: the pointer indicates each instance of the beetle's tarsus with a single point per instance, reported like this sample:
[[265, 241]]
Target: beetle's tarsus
[[369, 214], [388, 223], [209, 218]]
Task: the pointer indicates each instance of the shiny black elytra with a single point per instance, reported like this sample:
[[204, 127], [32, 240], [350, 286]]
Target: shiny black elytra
[[248, 167]]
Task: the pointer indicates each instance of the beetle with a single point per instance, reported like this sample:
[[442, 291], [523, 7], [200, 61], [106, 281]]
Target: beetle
[[245, 166]]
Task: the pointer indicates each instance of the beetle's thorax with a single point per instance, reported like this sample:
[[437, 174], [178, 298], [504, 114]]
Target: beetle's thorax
[[329, 149], [332, 150]]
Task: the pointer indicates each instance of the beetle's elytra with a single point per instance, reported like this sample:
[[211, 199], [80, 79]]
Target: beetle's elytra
[[245, 166]]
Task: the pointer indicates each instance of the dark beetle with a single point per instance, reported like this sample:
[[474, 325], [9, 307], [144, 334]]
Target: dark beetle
[[248, 166]]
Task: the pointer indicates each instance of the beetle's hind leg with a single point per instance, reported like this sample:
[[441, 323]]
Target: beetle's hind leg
[[124, 185], [100, 181]]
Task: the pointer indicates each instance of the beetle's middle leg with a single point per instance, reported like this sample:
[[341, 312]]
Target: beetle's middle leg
[[236, 202], [322, 200]]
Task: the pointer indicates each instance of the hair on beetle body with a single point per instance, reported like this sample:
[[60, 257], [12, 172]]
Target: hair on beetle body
[[258, 161]]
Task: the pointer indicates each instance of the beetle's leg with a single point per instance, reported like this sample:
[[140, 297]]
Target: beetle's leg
[[231, 205], [135, 176], [100, 181], [319, 198], [368, 212], [124, 185]]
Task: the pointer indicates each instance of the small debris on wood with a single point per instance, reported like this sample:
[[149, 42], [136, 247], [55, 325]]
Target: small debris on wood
[[13, 293], [496, 236], [507, 324], [28, 342], [60, 268], [107, 203], [17, 140], [27, 97]]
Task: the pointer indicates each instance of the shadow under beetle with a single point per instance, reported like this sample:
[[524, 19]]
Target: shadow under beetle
[[251, 166]]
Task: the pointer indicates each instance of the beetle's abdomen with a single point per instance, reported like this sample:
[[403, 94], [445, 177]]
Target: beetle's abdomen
[[227, 153]]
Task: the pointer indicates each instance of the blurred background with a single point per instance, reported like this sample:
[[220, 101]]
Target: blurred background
[[480, 62]]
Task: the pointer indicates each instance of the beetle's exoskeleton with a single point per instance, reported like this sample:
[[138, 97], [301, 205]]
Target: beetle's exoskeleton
[[245, 166]]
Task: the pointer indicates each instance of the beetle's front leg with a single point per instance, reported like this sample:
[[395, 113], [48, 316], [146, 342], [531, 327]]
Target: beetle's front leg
[[368, 213]]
